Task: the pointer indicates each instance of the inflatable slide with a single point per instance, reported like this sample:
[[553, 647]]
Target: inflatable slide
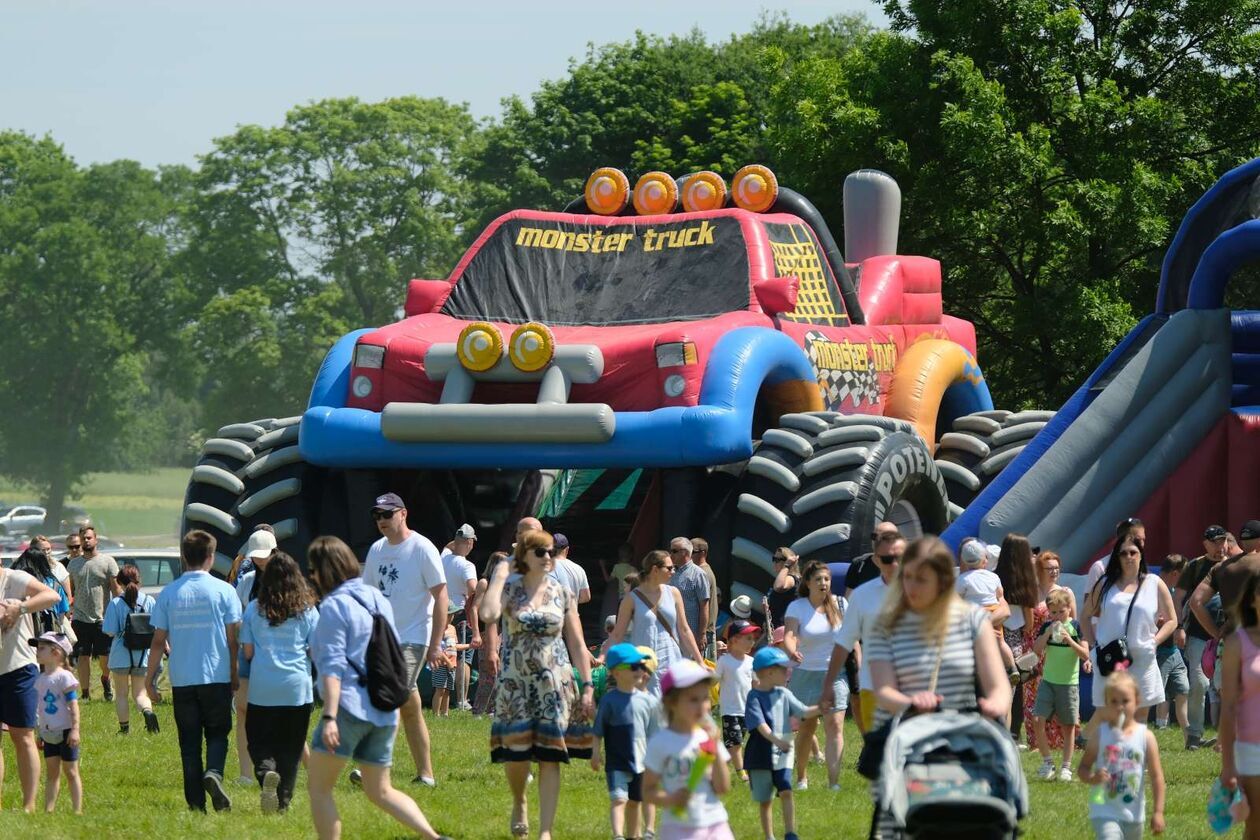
[[1168, 427]]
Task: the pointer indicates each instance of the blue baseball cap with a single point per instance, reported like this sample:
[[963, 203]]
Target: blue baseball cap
[[623, 654], [768, 657]]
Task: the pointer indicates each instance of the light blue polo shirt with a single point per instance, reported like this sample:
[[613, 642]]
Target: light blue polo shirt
[[115, 624], [195, 611], [280, 672]]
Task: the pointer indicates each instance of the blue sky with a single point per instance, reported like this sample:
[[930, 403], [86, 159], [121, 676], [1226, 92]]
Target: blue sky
[[157, 81]]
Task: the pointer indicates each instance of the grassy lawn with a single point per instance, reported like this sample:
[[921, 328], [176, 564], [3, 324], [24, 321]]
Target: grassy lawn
[[133, 789], [139, 509]]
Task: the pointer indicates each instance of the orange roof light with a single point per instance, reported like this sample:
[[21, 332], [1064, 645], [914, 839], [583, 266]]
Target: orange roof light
[[703, 191], [607, 191], [754, 188], [655, 193]]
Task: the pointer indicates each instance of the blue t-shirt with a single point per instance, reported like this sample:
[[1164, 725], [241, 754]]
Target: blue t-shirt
[[625, 721], [195, 610], [280, 672], [775, 708], [121, 659]]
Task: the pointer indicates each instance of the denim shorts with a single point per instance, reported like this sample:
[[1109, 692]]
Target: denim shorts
[[1247, 758], [1172, 672], [808, 686], [765, 785], [17, 697], [364, 742], [624, 786]]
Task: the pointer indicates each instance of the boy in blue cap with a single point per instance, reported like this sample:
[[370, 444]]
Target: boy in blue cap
[[625, 719], [768, 758]]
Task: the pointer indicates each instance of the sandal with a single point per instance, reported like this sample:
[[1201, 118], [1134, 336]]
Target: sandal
[[519, 827]]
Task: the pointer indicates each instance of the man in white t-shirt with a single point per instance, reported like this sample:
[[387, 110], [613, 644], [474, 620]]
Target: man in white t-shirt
[[568, 573], [407, 569], [461, 585], [863, 612]]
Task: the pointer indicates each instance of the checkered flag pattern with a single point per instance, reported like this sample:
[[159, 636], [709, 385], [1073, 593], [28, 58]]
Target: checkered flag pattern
[[841, 386]]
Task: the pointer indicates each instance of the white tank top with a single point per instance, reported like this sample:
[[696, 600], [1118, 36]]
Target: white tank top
[[1141, 626], [1123, 796]]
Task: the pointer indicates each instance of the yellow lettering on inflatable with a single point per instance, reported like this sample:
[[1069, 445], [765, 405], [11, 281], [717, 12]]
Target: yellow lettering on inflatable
[[601, 242]]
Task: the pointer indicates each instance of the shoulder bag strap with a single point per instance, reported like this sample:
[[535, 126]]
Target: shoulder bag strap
[[656, 612], [1128, 615]]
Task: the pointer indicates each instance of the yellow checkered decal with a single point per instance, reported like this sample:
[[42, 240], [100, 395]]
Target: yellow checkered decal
[[816, 302]]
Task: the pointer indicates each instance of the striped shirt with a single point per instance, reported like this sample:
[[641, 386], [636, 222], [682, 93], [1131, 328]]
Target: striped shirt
[[913, 658]]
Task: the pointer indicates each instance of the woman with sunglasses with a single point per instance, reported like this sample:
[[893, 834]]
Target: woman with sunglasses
[[536, 695], [656, 610]]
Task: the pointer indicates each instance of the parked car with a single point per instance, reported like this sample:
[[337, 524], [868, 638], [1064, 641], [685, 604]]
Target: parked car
[[21, 519], [73, 517], [158, 566]]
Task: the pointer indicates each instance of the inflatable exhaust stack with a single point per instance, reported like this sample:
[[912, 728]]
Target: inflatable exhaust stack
[[872, 215]]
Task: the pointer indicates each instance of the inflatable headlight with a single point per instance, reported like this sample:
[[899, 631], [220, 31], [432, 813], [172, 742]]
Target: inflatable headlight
[[369, 356], [362, 387], [531, 347], [607, 191], [480, 346], [675, 385], [754, 188], [703, 191], [655, 193], [675, 354]]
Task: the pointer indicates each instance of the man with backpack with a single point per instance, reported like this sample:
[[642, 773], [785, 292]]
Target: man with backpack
[[201, 617], [407, 569]]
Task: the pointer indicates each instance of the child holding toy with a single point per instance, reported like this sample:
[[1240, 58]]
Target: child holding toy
[[686, 771], [57, 689], [1119, 755], [626, 718], [768, 714]]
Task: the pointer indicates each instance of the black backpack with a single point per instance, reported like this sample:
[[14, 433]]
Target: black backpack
[[137, 633], [386, 678]]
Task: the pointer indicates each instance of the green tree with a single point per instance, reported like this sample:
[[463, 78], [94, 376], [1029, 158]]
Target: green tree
[[306, 230], [86, 294], [678, 103], [1046, 151]]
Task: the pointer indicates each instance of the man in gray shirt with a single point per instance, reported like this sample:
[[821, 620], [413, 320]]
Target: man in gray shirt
[[94, 577], [693, 583]]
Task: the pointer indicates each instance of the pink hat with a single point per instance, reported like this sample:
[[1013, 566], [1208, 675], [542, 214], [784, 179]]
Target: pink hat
[[58, 639]]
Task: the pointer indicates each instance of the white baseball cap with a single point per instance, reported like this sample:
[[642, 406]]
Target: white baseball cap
[[259, 544], [465, 532], [684, 674]]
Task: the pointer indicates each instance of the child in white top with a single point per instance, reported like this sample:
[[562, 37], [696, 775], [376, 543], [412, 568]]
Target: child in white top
[[686, 772], [1120, 753], [57, 690], [735, 679], [977, 585]]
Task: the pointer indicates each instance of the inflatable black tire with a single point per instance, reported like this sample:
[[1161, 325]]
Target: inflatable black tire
[[979, 447], [820, 482], [251, 473]]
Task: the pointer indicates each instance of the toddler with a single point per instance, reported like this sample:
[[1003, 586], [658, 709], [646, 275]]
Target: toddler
[[1058, 693], [444, 674], [769, 760], [57, 690], [977, 585], [626, 718], [1119, 754], [685, 765], [735, 680]]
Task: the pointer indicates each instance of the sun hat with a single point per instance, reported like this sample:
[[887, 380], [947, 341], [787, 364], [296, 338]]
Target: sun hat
[[684, 674], [58, 639], [741, 606]]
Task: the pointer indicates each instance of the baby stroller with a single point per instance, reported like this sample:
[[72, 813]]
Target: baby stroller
[[952, 775]]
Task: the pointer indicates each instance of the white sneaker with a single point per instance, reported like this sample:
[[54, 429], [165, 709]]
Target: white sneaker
[[245, 781], [269, 801], [803, 784], [1046, 772], [836, 786], [1065, 774]]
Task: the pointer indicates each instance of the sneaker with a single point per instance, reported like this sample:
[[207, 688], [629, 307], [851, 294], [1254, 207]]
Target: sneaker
[[1065, 774], [803, 784], [213, 784], [649, 834], [356, 777], [836, 786], [791, 835], [465, 706], [270, 799], [124, 728], [1046, 771], [151, 722], [425, 781], [1021, 746], [1208, 743], [1193, 742], [109, 692], [244, 781], [743, 775]]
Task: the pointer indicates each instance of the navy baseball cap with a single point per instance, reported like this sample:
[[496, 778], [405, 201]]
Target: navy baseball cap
[[390, 501], [1250, 530], [559, 541], [1215, 532]]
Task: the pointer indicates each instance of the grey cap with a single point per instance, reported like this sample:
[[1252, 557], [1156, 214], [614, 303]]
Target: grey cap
[[465, 532]]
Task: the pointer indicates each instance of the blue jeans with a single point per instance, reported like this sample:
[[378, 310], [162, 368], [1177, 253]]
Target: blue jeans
[[1199, 685]]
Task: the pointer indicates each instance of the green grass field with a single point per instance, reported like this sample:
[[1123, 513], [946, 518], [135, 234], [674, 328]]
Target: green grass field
[[141, 510], [133, 789]]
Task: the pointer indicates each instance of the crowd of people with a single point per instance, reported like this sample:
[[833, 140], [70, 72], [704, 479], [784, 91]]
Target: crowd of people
[[688, 705]]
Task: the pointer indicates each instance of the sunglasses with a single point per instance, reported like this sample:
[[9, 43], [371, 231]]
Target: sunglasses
[[543, 552], [700, 551], [883, 537], [669, 569], [378, 515], [74, 547], [638, 666], [887, 559], [678, 551]]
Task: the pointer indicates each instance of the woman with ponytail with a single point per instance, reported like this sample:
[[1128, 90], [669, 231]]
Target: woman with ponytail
[[127, 621]]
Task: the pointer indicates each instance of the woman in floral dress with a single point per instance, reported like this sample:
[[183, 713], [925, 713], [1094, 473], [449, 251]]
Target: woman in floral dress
[[1047, 565], [536, 695]]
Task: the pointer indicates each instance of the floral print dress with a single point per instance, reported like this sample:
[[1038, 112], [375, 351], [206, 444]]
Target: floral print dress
[[535, 694]]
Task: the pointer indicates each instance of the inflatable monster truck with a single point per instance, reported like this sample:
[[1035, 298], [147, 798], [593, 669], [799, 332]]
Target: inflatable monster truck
[[723, 340]]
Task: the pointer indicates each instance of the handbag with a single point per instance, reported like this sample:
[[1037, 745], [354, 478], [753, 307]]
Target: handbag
[[1115, 654], [871, 758]]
